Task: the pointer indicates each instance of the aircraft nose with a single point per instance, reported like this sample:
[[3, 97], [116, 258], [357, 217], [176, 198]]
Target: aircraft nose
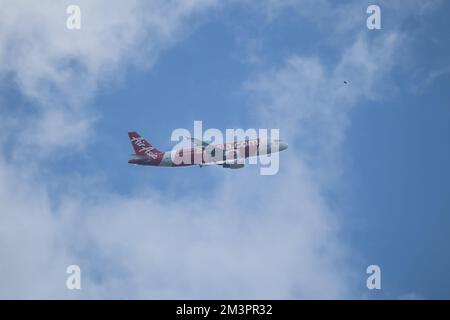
[[283, 146]]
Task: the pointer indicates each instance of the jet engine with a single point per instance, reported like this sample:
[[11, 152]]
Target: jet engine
[[233, 165]]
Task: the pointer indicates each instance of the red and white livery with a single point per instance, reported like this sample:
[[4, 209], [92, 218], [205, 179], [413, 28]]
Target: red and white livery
[[227, 155]]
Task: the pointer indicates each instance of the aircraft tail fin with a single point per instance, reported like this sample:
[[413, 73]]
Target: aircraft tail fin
[[142, 147]]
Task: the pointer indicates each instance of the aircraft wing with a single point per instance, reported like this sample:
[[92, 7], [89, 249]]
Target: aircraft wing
[[199, 143]]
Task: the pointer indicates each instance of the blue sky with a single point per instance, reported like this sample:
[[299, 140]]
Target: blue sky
[[364, 181]]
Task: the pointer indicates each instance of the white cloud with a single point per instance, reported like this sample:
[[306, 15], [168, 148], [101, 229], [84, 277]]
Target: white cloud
[[247, 241], [190, 248], [32, 263], [60, 69], [311, 102], [152, 246]]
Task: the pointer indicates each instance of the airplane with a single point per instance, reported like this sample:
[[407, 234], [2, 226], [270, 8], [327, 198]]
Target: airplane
[[228, 155]]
